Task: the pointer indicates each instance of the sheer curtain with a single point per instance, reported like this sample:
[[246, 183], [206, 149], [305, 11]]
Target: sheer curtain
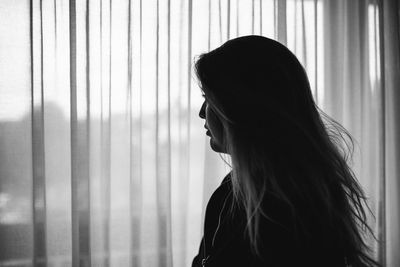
[[104, 160]]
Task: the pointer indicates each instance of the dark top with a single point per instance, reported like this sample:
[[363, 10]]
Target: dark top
[[224, 242]]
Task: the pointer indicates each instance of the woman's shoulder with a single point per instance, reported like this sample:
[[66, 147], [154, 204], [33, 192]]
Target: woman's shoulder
[[227, 178], [229, 240], [219, 195]]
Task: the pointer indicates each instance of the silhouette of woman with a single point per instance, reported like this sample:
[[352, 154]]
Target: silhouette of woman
[[291, 198]]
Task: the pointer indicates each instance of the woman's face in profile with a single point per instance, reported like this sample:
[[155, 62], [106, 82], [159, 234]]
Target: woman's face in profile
[[214, 127]]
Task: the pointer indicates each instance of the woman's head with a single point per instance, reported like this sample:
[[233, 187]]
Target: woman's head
[[256, 88], [260, 110]]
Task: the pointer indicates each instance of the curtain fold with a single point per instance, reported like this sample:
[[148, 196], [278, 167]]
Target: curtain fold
[[104, 160], [390, 58], [352, 93]]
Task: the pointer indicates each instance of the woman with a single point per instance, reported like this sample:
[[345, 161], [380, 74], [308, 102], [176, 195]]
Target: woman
[[291, 198]]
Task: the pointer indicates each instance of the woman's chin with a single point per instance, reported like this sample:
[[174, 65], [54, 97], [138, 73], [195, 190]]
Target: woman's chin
[[213, 145], [216, 147]]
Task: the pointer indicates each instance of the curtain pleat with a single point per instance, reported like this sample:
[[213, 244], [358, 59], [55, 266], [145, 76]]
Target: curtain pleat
[[280, 17], [261, 17], [209, 25], [104, 161], [237, 18], [105, 128], [379, 82], [75, 225], [80, 123], [315, 51], [228, 18], [304, 34], [252, 17], [38, 145], [390, 56]]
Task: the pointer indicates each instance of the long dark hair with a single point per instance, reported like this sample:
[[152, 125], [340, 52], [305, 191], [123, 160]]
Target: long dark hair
[[281, 144]]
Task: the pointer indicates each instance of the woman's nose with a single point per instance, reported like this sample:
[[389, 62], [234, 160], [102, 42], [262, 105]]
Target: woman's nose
[[202, 113]]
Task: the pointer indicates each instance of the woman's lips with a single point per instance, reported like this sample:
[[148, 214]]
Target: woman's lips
[[208, 132]]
